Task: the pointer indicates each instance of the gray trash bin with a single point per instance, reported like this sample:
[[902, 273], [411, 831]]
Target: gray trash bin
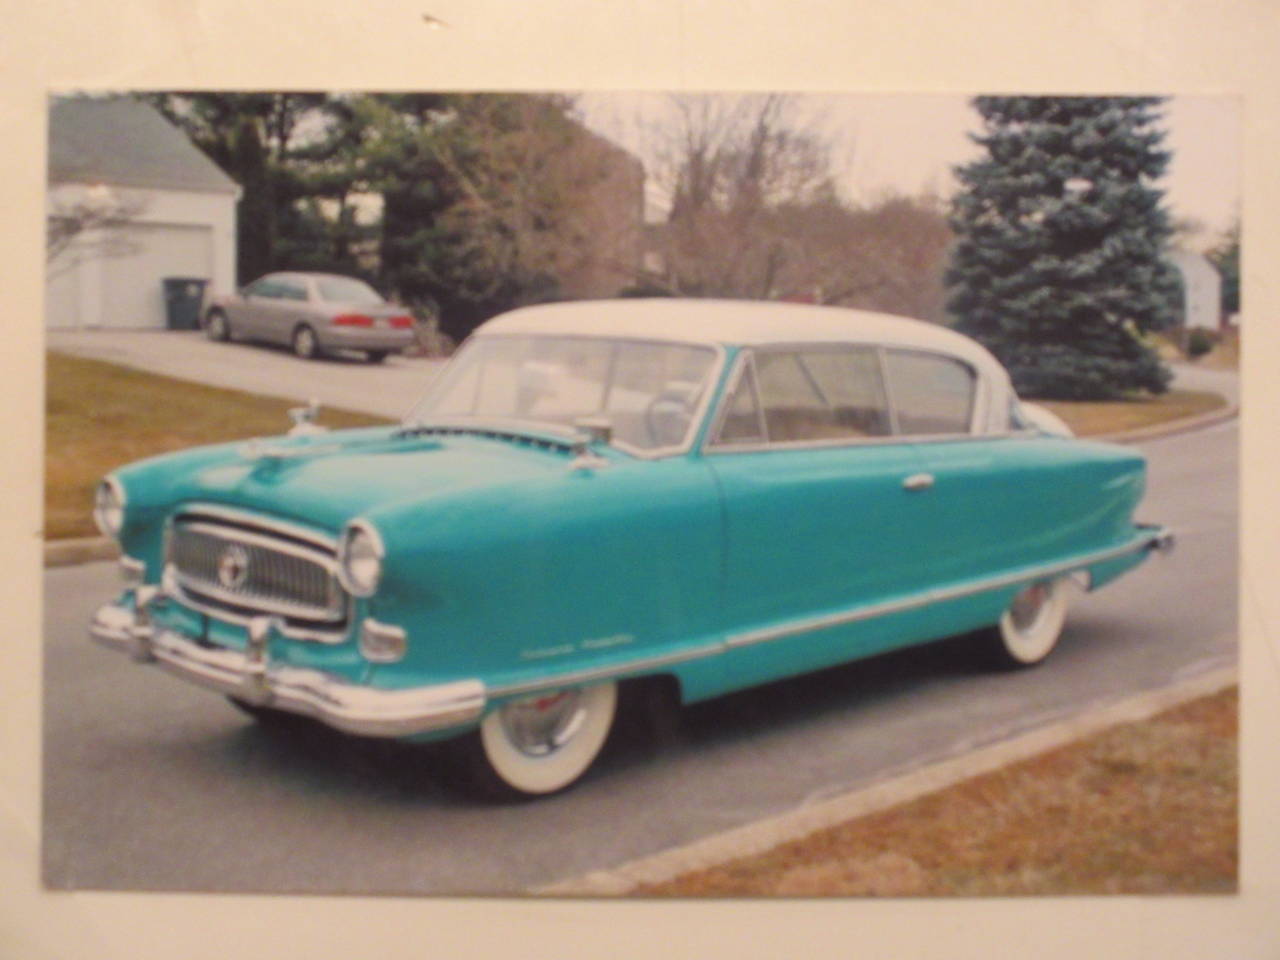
[[183, 297]]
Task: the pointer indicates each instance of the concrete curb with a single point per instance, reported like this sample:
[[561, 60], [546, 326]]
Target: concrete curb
[[65, 553], [1173, 427], [764, 835]]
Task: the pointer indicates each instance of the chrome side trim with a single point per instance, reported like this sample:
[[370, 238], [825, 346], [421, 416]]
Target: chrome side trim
[[1150, 539], [900, 439], [943, 594], [577, 677]]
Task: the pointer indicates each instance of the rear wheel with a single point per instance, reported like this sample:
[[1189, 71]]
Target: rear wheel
[[216, 326], [1029, 629], [539, 745], [375, 356], [305, 344]]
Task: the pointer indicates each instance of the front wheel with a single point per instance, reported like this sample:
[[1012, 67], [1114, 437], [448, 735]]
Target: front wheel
[[540, 744], [1029, 629]]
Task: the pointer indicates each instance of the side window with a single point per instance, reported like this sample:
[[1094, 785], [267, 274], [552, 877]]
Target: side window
[[931, 394], [266, 287], [291, 290], [821, 394]]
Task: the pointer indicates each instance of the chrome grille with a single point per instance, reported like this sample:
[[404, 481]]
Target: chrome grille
[[244, 567]]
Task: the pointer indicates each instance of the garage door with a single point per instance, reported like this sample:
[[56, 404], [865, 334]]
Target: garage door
[[131, 281]]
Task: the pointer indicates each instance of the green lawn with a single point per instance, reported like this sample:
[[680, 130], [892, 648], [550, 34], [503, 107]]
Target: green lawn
[[99, 416], [1091, 419]]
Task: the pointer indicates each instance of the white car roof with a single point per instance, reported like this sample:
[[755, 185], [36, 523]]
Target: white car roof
[[738, 323]]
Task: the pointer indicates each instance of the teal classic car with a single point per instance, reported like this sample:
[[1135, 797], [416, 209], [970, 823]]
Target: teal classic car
[[595, 498]]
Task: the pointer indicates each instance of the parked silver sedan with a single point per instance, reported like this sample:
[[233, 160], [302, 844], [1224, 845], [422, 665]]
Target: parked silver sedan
[[314, 313]]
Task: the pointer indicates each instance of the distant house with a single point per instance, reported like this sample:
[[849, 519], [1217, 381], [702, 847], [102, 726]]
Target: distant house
[[1202, 290], [170, 212]]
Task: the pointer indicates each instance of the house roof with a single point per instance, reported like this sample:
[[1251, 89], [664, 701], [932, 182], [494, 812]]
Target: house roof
[[125, 142], [738, 322]]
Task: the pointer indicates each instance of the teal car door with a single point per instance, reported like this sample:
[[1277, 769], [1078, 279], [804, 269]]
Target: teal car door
[[825, 513], [1008, 502]]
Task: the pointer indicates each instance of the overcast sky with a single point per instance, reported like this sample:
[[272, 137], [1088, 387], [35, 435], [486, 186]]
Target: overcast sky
[[907, 143]]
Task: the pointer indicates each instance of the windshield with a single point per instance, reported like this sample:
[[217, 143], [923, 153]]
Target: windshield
[[649, 392], [346, 290]]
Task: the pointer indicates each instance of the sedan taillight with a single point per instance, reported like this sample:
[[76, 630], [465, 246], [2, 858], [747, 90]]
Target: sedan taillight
[[352, 320], [402, 322]]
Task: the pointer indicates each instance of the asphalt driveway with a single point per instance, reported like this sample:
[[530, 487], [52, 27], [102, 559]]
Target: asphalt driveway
[[387, 389]]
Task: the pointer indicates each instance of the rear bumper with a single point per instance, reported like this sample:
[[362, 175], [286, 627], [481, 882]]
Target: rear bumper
[[364, 338], [249, 676]]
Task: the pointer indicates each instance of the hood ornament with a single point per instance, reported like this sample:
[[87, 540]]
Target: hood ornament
[[591, 431], [304, 419]]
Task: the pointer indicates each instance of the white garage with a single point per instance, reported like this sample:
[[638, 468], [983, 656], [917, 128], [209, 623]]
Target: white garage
[[152, 207]]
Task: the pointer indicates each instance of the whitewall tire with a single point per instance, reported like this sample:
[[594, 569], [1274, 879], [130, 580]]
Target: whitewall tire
[[1031, 626], [541, 744]]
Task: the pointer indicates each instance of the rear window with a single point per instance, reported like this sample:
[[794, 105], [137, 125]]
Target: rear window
[[346, 290], [931, 394]]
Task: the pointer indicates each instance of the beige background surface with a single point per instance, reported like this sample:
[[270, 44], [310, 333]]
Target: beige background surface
[[995, 46]]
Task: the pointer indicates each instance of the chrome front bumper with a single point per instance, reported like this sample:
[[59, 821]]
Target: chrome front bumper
[[249, 676]]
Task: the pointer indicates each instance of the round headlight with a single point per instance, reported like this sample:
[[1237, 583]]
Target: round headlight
[[360, 556], [108, 506]]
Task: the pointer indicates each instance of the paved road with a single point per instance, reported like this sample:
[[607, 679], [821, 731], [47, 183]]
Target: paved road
[[152, 785]]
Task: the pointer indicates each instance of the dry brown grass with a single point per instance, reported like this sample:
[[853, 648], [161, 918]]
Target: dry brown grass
[[1143, 808], [1093, 419], [99, 416]]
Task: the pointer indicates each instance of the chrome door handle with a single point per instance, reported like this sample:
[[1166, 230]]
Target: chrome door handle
[[918, 481]]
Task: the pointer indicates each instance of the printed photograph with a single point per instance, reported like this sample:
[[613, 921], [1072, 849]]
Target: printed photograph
[[649, 495]]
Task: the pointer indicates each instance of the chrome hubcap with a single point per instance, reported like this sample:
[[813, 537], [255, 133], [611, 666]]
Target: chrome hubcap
[[541, 725]]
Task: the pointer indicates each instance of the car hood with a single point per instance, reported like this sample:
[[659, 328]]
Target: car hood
[[323, 481]]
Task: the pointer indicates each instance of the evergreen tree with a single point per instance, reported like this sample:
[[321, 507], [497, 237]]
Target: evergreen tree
[[1059, 266]]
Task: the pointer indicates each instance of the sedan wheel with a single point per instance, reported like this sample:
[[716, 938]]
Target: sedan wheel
[[1029, 629], [305, 344], [541, 744], [216, 326]]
